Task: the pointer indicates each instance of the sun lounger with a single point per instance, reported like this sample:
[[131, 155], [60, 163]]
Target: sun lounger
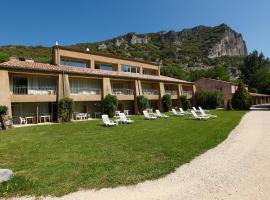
[[204, 114], [148, 116], [124, 119], [195, 110], [175, 113], [195, 116], [183, 112], [106, 121], [160, 115]]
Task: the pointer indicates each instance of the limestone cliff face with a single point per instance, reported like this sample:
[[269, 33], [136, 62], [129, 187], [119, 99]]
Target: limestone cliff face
[[232, 44]]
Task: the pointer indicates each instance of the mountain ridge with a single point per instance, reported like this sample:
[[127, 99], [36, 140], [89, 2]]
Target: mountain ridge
[[200, 47]]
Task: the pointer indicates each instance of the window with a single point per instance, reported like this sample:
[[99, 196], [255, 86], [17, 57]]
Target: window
[[131, 69], [104, 67], [74, 63], [150, 72]]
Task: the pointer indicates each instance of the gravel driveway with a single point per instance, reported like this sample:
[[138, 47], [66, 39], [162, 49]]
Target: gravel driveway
[[238, 168]]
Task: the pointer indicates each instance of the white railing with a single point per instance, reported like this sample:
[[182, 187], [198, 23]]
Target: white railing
[[171, 92], [187, 93], [122, 91], [85, 91], [150, 92], [24, 90]]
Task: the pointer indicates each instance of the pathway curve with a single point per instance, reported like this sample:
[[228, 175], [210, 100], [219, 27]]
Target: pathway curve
[[236, 169]]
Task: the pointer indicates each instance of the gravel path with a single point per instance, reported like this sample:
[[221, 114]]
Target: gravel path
[[236, 169]]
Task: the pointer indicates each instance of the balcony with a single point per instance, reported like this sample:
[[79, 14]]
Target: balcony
[[171, 92], [188, 94], [24, 90], [150, 92], [85, 91], [122, 91]]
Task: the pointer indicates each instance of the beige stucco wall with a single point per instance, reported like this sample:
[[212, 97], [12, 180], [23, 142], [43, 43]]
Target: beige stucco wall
[[82, 97], [106, 86], [5, 91], [33, 98]]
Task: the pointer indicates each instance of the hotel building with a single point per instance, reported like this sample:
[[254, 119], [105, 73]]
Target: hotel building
[[31, 89]]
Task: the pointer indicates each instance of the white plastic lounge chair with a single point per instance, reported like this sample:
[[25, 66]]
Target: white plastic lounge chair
[[202, 109], [106, 121], [195, 116], [160, 115], [176, 113], [23, 120], [124, 119], [195, 110], [148, 116], [183, 112], [204, 114]]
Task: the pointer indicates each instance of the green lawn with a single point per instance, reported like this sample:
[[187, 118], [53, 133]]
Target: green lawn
[[62, 158]]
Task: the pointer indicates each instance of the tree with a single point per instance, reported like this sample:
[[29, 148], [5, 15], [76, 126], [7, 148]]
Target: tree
[[3, 112], [174, 71], [142, 103], [166, 102], [110, 105], [256, 72], [241, 99], [184, 102], [66, 106], [218, 72]]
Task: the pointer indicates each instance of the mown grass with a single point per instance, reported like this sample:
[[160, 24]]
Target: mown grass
[[59, 159]]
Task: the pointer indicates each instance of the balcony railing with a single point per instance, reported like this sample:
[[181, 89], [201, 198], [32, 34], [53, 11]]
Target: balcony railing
[[24, 90], [150, 92], [122, 91], [171, 92], [86, 91], [187, 93]]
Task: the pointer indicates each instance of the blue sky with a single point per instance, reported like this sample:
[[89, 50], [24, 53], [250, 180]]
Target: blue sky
[[41, 22]]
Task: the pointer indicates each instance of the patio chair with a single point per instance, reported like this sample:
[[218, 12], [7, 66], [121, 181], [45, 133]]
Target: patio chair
[[199, 117], [84, 116], [148, 116], [195, 110], [160, 115], [204, 114], [106, 121], [78, 116], [124, 119], [22, 120], [175, 113]]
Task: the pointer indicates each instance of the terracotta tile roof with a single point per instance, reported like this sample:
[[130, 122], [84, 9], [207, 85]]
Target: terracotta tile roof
[[33, 66], [211, 79]]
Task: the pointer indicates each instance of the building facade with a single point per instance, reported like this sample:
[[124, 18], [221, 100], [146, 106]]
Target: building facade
[[33, 90], [228, 89]]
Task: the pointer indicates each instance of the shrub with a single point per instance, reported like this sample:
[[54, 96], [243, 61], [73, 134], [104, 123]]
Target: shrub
[[184, 102], [3, 57], [241, 99], [3, 112], [110, 105], [166, 102], [142, 103], [66, 106], [208, 99]]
